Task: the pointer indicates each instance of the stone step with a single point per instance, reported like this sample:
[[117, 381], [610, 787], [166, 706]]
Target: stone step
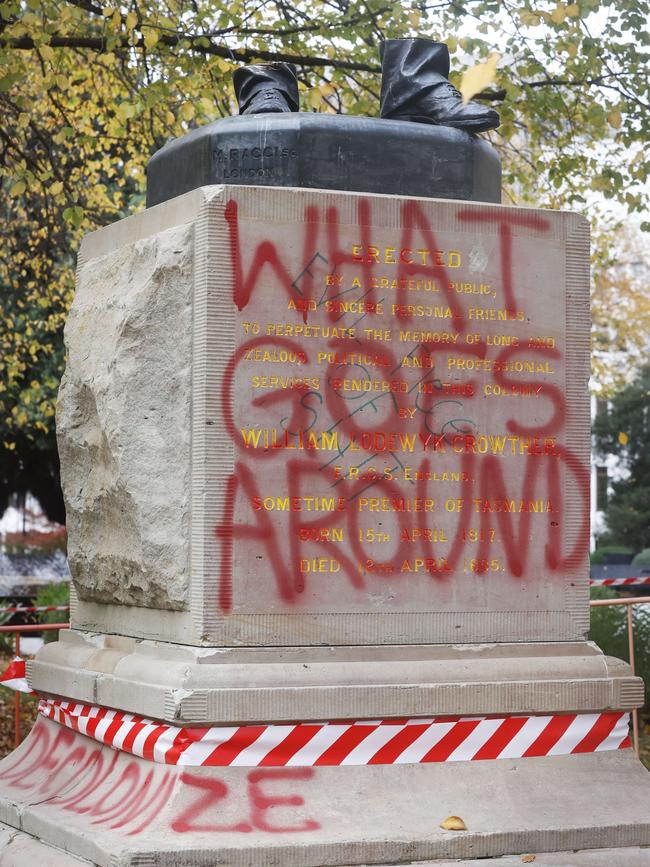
[[117, 810]]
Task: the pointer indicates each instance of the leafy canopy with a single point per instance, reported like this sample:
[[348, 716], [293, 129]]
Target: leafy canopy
[[89, 91], [620, 308]]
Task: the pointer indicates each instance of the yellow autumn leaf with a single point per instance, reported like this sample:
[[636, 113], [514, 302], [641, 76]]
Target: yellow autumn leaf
[[573, 10], [18, 188], [131, 20], [56, 188], [187, 111], [206, 105], [150, 38], [528, 18], [314, 97], [453, 823], [615, 118], [528, 859], [47, 53], [623, 438], [558, 15], [479, 77]]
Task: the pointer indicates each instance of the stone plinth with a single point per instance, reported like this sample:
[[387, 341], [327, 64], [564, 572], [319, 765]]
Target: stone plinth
[[325, 457], [293, 419], [299, 418]]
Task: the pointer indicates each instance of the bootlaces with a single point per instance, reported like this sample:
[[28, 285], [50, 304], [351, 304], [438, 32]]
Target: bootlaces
[[449, 88]]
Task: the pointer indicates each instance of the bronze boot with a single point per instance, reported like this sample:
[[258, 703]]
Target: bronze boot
[[266, 88], [415, 86]]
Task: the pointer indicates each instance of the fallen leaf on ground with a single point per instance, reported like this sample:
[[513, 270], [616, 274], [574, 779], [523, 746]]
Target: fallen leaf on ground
[[453, 823], [527, 859]]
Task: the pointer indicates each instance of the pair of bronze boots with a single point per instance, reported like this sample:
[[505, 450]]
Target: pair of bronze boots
[[414, 86]]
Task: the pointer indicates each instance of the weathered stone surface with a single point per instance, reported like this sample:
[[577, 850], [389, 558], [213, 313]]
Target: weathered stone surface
[[20, 850], [123, 423]]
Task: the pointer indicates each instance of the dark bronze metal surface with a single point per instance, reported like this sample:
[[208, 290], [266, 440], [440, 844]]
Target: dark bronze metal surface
[[331, 152], [415, 87]]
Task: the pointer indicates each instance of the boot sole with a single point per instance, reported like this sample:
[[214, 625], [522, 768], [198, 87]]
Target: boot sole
[[468, 126]]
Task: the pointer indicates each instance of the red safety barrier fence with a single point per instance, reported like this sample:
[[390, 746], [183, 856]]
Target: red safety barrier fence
[[630, 602], [32, 609], [619, 582], [18, 630]]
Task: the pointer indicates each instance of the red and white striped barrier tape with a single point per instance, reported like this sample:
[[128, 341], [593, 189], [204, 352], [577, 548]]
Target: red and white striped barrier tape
[[32, 609], [363, 742], [618, 582], [14, 676]]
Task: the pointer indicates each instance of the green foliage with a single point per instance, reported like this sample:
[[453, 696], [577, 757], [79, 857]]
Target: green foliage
[[608, 628], [625, 432], [53, 594], [88, 91], [642, 559]]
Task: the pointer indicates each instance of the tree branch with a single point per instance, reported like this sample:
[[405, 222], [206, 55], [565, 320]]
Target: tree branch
[[246, 55], [241, 55], [500, 95]]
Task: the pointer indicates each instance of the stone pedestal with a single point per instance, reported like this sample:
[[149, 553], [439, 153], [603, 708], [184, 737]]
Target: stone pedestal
[[325, 457], [303, 419]]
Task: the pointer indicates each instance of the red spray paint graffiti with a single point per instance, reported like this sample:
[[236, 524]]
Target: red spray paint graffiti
[[110, 790], [384, 408]]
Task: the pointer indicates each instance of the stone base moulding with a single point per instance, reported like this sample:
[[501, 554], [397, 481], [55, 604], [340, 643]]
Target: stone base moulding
[[200, 686], [116, 810]]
